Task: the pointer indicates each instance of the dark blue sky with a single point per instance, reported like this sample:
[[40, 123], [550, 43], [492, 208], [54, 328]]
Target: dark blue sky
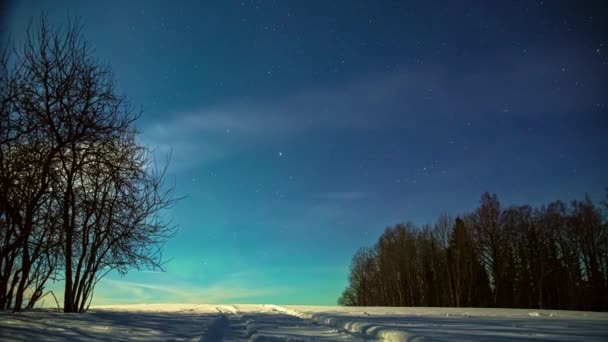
[[300, 130]]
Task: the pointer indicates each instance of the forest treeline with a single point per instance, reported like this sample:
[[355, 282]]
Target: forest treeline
[[79, 196], [551, 257]]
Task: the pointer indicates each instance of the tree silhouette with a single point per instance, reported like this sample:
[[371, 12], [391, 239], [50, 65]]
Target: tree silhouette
[[552, 257], [79, 195]]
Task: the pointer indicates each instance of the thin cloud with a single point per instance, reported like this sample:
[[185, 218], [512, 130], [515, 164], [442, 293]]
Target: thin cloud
[[136, 292], [410, 99]]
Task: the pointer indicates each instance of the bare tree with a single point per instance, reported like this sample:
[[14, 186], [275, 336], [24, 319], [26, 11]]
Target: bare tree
[[80, 196], [553, 257], [120, 195], [489, 236]]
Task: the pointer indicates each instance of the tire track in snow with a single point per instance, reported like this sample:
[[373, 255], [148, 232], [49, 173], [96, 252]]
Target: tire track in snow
[[357, 328], [299, 328], [264, 323], [230, 309], [215, 330], [241, 327], [236, 329], [272, 324], [222, 328]]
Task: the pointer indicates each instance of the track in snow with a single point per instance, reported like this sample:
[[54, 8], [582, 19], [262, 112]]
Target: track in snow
[[261, 323], [244, 323]]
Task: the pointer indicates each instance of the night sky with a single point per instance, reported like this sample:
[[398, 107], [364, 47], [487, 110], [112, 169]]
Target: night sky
[[300, 130]]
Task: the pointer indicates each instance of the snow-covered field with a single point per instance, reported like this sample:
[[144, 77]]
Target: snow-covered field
[[183, 322]]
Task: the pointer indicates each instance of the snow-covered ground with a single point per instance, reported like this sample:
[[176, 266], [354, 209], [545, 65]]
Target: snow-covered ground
[[184, 322]]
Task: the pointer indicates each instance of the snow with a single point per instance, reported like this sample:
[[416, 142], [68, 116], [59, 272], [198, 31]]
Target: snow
[[459, 324], [194, 322]]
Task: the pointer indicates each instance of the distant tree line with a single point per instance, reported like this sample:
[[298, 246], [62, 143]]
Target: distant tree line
[[552, 257], [79, 196]]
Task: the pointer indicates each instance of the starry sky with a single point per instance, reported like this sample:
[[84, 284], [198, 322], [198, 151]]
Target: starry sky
[[300, 129]]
